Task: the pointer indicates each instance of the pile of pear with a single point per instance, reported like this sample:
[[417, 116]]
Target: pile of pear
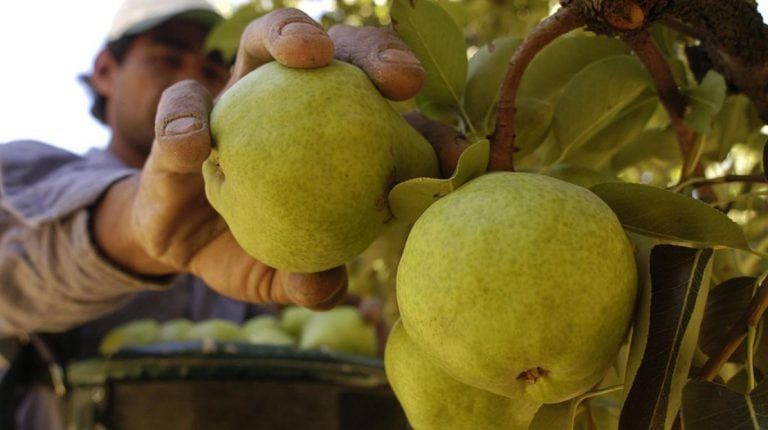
[[342, 330], [516, 290], [303, 161]]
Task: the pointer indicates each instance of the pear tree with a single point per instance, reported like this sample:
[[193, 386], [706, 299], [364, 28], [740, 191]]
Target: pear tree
[[598, 258]]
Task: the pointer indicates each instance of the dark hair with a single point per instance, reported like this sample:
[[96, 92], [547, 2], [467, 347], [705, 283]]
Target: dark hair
[[118, 49]]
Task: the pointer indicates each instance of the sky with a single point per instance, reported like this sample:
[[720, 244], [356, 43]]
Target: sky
[[45, 46]]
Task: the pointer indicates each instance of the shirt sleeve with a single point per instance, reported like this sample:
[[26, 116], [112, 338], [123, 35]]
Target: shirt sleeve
[[52, 276]]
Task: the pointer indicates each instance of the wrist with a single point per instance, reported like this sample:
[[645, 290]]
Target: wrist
[[113, 232]]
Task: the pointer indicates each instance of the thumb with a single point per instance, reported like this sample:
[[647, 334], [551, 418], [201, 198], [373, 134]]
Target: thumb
[[317, 291], [384, 57], [182, 134], [447, 142]]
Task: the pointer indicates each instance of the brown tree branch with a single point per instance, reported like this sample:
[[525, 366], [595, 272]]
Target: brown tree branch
[[503, 137], [673, 100], [755, 178], [733, 35], [732, 31], [738, 333]]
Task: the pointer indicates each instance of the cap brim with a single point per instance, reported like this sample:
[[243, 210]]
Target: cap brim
[[208, 18]]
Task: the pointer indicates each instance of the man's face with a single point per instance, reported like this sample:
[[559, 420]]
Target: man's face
[[157, 59]]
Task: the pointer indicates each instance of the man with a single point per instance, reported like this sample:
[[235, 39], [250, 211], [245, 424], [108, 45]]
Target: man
[[90, 242]]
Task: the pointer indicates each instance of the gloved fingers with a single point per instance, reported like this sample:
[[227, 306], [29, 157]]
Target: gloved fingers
[[228, 269], [182, 136], [288, 36], [317, 291], [447, 142], [389, 63]]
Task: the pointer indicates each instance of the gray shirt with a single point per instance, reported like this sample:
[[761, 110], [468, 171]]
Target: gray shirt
[[53, 278]]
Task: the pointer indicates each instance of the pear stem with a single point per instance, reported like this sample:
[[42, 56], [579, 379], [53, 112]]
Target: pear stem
[[674, 101]]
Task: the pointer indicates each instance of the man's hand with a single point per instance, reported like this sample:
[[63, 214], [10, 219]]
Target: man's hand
[[159, 221]]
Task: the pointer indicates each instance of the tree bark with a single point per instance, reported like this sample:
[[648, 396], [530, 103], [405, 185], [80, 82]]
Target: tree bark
[[734, 38], [731, 32]]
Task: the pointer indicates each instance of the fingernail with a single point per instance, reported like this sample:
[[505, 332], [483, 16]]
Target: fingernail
[[182, 125], [293, 28], [392, 55]]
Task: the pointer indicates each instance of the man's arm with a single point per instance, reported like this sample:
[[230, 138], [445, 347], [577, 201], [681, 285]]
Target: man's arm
[[52, 276]]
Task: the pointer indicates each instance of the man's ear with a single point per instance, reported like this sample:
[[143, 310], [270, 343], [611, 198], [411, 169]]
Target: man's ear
[[103, 73]]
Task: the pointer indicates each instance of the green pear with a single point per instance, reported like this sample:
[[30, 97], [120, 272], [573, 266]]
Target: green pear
[[433, 400], [216, 329], [134, 333], [293, 319], [260, 321], [265, 330], [518, 282], [303, 162], [341, 329], [175, 330]]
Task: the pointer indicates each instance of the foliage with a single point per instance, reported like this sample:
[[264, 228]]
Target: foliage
[[600, 111], [587, 101]]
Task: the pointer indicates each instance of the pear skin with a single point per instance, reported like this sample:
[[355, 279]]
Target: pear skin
[[303, 161], [519, 283], [432, 400]]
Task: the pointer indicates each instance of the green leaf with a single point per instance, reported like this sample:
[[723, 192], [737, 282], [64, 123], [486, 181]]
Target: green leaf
[[546, 152], [735, 123], [679, 279], [725, 306], [580, 175], [600, 149], [651, 144], [604, 414], [643, 247], [532, 124], [667, 39], [761, 348], [705, 102], [437, 112], [670, 216], [579, 412], [712, 406], [409, 199], [225, 36], [738, 382], [438, 43], [555, 416], [457, 10], [595, 96], [554, 66], [486, 71]]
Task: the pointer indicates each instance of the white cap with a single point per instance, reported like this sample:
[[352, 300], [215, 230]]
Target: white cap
[[138, 16]]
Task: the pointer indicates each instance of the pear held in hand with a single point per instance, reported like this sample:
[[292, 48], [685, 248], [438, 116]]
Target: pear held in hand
[[432, 400], [519, 283], [303, 162]]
